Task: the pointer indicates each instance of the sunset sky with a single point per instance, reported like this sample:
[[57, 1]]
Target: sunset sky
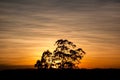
[[29, 27]]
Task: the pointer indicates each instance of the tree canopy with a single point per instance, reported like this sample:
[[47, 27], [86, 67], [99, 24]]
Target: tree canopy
[[66, 55]]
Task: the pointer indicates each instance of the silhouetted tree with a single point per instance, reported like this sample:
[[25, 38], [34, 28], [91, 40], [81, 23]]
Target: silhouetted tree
[[38, 64], [64, 56]]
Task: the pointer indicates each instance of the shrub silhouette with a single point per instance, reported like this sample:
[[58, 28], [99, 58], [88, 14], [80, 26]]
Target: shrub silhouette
[[38, 64], [63, 57]]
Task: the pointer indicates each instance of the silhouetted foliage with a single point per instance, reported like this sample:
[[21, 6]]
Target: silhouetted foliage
[[64, 56], [38, 64]]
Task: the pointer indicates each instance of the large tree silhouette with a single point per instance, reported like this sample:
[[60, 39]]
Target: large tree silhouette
[[65, 56]]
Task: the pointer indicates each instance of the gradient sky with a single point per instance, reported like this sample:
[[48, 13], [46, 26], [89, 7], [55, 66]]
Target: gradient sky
[[29, 27]]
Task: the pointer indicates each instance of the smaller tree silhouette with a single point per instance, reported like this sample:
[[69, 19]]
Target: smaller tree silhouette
[[64, 56], [38, 64]]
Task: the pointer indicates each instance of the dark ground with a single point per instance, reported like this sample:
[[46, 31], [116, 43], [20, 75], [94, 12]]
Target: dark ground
[[67, 74]]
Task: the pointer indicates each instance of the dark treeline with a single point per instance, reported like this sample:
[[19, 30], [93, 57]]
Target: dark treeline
[[54, 74]]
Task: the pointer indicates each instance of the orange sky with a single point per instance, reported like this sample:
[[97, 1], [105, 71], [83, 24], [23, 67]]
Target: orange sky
[[29, 27]]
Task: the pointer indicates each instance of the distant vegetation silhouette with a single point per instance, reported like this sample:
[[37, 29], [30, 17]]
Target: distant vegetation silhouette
[[65, 56]]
